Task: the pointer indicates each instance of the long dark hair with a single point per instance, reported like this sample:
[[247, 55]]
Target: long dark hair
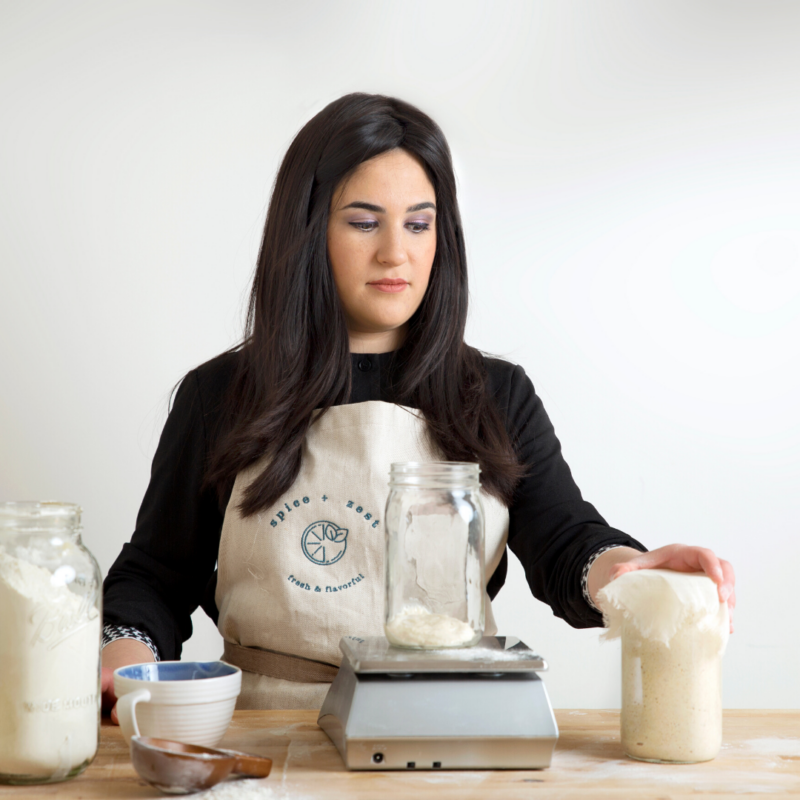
[[296, 354]]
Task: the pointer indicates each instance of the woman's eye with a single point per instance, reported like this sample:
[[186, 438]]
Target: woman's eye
[[370, 225], [365, 226]]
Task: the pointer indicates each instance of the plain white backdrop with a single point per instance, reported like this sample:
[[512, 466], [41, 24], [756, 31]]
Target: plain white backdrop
[[629, 178]]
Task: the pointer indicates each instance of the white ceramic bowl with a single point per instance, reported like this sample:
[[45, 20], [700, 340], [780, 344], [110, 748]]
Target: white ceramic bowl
[[186, 701]]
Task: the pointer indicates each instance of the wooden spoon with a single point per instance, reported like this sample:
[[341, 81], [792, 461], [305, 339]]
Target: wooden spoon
[[177, 768]]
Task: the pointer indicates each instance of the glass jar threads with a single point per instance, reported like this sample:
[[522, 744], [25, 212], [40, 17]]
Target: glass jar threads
[[435, 583], [49, 644]]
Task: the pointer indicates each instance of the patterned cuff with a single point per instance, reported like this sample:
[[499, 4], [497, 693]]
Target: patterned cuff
[[113, 632], [585, 574]]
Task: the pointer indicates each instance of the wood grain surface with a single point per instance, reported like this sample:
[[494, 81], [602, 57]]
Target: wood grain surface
[[760, 757]]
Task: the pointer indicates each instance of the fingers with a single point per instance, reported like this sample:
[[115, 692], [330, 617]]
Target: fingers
[[650, 560], [109, 699], [721, 572], [113, 716], [106, 680], [730, 619], [710, 564], [727, 589], [641, 561], [683, 558]]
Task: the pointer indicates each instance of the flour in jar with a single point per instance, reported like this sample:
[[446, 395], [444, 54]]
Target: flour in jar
[[417, 627], [49, 651]]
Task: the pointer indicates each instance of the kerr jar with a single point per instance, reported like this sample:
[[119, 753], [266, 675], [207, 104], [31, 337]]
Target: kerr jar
[[434, 555], [49, 644]]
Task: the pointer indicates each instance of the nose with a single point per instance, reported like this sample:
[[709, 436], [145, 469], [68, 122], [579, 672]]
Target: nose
[[391, 248]]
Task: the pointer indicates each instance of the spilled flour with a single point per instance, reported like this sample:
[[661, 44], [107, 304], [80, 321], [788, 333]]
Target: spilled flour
[[775, 746], [250, 789], [748, 777]]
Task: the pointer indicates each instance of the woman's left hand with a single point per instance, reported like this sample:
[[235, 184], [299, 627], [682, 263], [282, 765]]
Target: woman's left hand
[[683, 558]]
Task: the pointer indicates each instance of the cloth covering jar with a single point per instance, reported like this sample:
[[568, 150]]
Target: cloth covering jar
[[49, 644], [674, 631], [434, 556]]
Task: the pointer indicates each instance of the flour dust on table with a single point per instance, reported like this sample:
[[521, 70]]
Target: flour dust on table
[[248, 789]]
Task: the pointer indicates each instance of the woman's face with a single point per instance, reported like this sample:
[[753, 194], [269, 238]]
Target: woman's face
[[381, 245]]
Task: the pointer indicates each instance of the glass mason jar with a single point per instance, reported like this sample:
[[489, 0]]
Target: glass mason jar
[[434, 556], [672, 694], [49, 644]]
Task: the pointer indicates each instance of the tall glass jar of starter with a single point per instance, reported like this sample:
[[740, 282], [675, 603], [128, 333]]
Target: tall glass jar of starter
[[50, 623], [434, 556], [674, 631]]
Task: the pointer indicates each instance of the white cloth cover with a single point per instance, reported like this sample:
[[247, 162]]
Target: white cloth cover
[[659, 603]]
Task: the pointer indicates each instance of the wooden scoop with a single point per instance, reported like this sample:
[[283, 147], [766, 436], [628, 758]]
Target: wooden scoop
[[177, 768]]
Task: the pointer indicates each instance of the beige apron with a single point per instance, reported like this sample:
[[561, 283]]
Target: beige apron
[[298, 577]]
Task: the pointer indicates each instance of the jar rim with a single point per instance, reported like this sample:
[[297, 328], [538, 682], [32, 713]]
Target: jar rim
[[435, 475], [39, 511], [436, 467]]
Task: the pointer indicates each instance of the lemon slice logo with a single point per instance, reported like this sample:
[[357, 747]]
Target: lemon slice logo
[[324, 542]]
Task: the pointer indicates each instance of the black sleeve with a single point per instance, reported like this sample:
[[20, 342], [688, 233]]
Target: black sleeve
[[552, 529], [168, 567]]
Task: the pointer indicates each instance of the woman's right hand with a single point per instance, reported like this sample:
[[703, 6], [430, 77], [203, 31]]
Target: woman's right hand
[[119, 653]]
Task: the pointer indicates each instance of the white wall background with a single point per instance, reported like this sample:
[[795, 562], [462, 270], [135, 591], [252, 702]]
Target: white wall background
[[630, 186]]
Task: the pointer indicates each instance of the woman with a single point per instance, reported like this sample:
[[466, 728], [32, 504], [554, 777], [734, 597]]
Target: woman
[[354, 357]]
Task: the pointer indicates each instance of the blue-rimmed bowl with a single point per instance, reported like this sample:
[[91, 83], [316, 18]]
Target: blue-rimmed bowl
[[186, 701]]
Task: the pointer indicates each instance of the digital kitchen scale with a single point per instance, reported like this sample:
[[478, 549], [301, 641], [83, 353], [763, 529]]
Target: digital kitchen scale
[[481, 707]]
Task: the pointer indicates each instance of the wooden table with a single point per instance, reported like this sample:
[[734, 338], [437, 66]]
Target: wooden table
[[760, 757]]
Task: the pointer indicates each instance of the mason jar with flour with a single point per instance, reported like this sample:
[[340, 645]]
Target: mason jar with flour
[[434, 556], [674, 631], [49, 644]]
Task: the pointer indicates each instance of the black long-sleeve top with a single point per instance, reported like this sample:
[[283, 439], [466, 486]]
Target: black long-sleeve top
[[168, 568]]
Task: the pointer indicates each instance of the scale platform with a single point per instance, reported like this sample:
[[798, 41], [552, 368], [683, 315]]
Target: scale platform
[[481, 707]]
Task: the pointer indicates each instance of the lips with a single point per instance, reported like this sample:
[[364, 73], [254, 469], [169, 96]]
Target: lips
[[389, 284]]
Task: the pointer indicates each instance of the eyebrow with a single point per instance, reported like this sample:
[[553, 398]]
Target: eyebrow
[[382, 210]]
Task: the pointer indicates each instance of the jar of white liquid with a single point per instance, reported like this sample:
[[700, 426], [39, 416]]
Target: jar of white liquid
[[49, 644], [434, 556], [674, 631]]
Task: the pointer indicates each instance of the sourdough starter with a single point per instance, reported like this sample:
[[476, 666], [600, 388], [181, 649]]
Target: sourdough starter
[[674, 631], [671, 696], [49, 655], [418, 627]]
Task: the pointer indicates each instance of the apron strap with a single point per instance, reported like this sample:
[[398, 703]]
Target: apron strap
[[278, 665]]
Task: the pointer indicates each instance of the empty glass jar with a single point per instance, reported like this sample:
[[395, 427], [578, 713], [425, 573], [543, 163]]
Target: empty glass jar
[[50, 624], [434, 556]]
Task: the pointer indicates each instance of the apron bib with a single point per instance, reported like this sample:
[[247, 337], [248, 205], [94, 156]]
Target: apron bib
[[296, 578]]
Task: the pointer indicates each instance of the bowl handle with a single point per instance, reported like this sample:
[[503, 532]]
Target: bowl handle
[[255, 766], [126, 712]]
